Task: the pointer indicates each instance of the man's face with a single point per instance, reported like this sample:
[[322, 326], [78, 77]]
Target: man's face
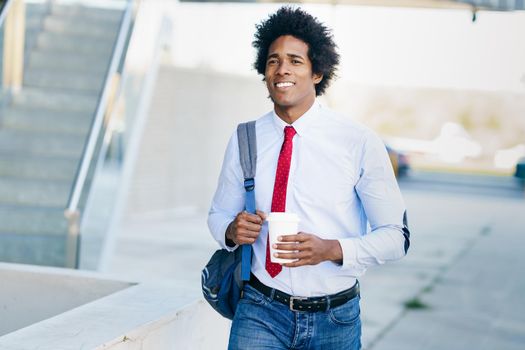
[[288, 74]]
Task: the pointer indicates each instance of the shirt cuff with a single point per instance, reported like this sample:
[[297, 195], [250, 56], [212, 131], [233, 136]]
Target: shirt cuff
[[222, 241], [349, 248]]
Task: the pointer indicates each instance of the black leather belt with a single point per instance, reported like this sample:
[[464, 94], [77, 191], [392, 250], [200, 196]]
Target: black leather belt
[[313, 304]]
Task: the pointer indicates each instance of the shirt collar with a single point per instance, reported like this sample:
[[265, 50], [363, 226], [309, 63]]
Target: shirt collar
[[302, 124]]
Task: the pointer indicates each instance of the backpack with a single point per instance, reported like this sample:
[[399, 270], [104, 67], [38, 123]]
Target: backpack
[[225, 273]]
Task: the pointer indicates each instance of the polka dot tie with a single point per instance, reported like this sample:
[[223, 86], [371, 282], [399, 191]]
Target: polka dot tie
[[279, 190]]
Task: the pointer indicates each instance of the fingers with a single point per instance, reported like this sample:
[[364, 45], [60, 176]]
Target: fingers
[[256, 218], [287, 246], [247, 227], [302, 248], [298, 242], [300, 237], [261, 214], [291, 255], [247, 233], [240, 240], [244, 236], [299, 259], [248, 222]]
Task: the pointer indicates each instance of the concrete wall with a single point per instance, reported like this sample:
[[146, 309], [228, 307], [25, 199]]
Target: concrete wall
[[193, 114], [30, 294]]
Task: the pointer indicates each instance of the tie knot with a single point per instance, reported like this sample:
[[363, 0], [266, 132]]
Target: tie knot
[[289, 132]]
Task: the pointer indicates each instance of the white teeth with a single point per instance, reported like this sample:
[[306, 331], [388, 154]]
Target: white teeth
[[284, 84]]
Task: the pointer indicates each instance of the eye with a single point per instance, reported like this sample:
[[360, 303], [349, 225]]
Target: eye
[[295, 61], [272, 61]]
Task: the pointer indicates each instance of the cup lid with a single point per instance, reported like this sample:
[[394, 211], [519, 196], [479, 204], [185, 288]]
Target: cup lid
[[279, 216]]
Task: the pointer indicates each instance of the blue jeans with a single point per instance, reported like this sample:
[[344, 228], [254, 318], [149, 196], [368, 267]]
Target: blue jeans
[[263, 323]]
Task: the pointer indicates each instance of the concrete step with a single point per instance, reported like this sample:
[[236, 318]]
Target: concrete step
[[81, 26], [29, 43], [56, 99], [48, 144], [14, 191], [45, 120], [46, 78], [31, 33], [74, 43], [33, 27], [34, 23], [94, 13], [32, 220], [68, 61], [37, 168], [34, 249], [36, 9]]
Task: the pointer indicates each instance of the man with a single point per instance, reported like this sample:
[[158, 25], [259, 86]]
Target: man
[[333, 173]]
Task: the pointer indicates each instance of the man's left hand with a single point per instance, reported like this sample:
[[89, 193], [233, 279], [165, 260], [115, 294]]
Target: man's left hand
[[308, 249]]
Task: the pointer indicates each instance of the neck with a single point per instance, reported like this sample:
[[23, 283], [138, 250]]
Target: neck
[[291, 114]]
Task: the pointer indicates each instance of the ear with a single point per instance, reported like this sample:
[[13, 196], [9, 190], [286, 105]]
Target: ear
[[317, 78]]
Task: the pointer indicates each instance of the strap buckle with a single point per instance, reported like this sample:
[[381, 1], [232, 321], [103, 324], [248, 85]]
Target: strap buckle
[[292, 299], [249, 184]]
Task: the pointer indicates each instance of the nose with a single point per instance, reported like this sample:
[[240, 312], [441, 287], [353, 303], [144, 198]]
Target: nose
[[283, 68]]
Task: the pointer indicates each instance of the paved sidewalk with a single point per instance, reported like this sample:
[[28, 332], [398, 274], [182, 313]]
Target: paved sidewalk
[[474, 299], [463, 266]]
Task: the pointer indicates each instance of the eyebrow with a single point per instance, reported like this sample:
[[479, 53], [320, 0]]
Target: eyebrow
[[291, 55]]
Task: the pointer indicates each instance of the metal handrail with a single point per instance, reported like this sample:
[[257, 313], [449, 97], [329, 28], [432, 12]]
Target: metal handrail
[[89, 149], [4, 10]]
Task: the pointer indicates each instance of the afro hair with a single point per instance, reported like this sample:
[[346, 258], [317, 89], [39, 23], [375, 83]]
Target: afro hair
[[301, 25]]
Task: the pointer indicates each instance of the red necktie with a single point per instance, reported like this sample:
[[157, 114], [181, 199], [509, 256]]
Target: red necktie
[[279, 190]]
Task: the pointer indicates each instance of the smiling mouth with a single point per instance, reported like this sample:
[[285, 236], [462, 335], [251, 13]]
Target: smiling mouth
[[284, 84]]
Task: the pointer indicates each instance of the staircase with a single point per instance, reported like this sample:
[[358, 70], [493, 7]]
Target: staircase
[[44, 128]]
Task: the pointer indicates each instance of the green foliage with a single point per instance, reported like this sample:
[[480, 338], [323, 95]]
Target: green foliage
[[415, 304], [493, 123], [428, 289], [465, 119]]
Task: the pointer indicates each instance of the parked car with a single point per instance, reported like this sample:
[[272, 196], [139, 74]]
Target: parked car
[[399, 161], [520, 169]]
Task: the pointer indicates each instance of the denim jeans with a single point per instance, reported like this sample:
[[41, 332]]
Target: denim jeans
[[263, 323]]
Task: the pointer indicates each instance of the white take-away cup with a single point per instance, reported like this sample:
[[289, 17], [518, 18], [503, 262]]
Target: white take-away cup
[[281, 224]]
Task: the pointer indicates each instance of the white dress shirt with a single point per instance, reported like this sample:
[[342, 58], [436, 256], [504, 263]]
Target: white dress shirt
[[341, 185]]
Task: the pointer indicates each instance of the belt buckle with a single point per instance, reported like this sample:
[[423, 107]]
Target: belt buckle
[[292, 299]]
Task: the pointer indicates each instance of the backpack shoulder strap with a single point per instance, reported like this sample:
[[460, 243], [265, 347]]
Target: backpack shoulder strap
[[247, 148], [248, 159]]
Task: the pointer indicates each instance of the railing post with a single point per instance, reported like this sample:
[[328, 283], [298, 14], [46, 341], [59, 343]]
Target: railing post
[[73, 238], [14, 39]]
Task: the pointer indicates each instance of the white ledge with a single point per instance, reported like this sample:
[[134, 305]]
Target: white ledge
[[153, 315]]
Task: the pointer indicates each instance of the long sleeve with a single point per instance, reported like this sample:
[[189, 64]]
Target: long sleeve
[[228, 200], [384, 208]]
